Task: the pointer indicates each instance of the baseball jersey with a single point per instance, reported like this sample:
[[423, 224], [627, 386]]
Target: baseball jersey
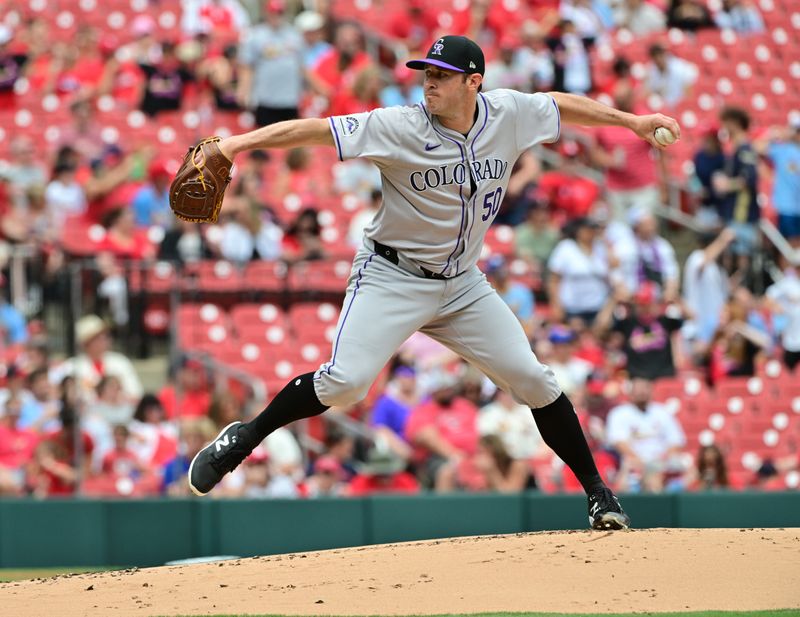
[[443, 189]]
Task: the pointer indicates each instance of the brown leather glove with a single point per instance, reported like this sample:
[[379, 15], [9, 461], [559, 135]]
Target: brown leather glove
[[197, 190]]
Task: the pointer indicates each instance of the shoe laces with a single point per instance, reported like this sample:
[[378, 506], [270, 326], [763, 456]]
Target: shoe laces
[[606, 500], [228, 459]]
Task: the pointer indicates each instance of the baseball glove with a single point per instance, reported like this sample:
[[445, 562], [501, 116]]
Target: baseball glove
[[197, 190]]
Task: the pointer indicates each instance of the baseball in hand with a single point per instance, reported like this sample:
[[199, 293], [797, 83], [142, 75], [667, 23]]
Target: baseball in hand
[[664, 136]]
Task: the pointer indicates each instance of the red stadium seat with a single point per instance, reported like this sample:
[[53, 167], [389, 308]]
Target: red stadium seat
[[158, 278], [319, 276], [271, 335], [217, 277], [265, 276], [739, 386], [302, 314], [254, 316]]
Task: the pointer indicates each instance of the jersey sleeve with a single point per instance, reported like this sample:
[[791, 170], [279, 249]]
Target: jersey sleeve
[[538, 119], [374, 135]]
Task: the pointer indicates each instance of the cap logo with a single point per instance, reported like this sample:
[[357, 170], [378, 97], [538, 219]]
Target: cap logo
[[472, 64], [438, 46]]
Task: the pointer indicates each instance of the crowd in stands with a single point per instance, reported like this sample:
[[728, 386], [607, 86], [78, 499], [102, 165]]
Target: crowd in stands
[[608, 299]]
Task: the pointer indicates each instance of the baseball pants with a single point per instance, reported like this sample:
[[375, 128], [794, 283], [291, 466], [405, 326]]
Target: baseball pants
[[386, 303]]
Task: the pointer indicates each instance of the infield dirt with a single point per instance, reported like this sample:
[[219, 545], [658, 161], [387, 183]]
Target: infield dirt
[[655, 570]]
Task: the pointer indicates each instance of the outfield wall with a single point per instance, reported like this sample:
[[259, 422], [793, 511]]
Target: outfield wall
[[152, 532]]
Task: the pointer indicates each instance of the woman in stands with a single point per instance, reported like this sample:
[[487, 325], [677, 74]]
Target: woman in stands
[[500, 471], [711, 471]]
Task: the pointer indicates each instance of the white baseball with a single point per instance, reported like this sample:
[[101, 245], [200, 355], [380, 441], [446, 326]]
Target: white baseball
[[664, 136]]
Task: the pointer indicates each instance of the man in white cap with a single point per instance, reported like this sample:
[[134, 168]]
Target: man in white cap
[[98, 360], [312, 26]]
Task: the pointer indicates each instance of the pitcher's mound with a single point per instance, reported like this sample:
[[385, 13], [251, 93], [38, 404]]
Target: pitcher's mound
[[656, 570]]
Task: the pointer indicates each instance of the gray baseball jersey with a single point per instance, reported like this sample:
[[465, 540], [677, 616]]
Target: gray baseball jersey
[[441, 191]]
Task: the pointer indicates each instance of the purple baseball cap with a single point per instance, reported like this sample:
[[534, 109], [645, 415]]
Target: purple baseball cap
[[455, 53]]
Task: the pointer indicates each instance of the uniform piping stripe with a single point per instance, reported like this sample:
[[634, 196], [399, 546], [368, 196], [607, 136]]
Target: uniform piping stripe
[[472, 148], [336, 136], [361, 271], [460, 189], [558, 114]]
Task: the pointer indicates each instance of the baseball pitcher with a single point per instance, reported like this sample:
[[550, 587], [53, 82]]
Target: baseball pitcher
[[445, 166]]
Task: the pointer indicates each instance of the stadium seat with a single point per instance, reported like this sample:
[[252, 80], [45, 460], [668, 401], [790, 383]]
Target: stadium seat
[[739, 386], [253, 315], [265, 276], [319, 276], [215, 277], [158, 278]]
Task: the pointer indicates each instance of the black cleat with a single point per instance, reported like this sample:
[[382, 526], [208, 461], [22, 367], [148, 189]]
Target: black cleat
[[605, 512], [219, 457]]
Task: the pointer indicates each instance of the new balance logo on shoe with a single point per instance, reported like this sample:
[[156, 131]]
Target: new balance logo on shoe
[[595, 508], [224, 442]]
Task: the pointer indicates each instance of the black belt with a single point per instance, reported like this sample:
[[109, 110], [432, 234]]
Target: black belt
[[390, 254]]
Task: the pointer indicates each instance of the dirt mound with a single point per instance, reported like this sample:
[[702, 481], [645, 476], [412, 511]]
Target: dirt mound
[[644, 570]]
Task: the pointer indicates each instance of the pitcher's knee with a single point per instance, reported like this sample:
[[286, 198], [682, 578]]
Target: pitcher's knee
[[340, 391], [535, 386]]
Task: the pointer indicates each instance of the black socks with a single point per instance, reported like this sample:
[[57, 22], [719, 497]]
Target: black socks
[[561, 430], [297, 400], [557, 423]]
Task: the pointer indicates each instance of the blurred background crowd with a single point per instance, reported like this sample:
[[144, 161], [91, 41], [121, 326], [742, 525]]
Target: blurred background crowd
[[661, 288]]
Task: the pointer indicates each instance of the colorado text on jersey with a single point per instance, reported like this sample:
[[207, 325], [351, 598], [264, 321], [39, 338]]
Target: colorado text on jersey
[[434, 177]]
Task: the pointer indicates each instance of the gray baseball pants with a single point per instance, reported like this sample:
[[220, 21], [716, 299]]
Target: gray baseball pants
[[386, 303]]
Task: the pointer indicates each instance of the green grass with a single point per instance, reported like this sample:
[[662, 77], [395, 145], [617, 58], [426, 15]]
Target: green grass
[[22, 574], [789, 612]]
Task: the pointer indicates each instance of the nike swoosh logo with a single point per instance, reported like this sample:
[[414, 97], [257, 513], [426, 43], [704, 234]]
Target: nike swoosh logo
[[429, 147]]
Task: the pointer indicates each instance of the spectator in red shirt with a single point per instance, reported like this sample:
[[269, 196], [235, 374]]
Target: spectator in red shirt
[[303, 241], [336, 70], [620, 74], [292, 177], [382, 473], [122, 238], [195, 399], [221, 18], [414, 25], [483, 21], [155, 441], [16, 448], [12, 65], [122, 472], [121, 461], [87, 70], [567, 188], [365, 95], [58, 467], [68, 73], [634, 171], [445, 435]]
